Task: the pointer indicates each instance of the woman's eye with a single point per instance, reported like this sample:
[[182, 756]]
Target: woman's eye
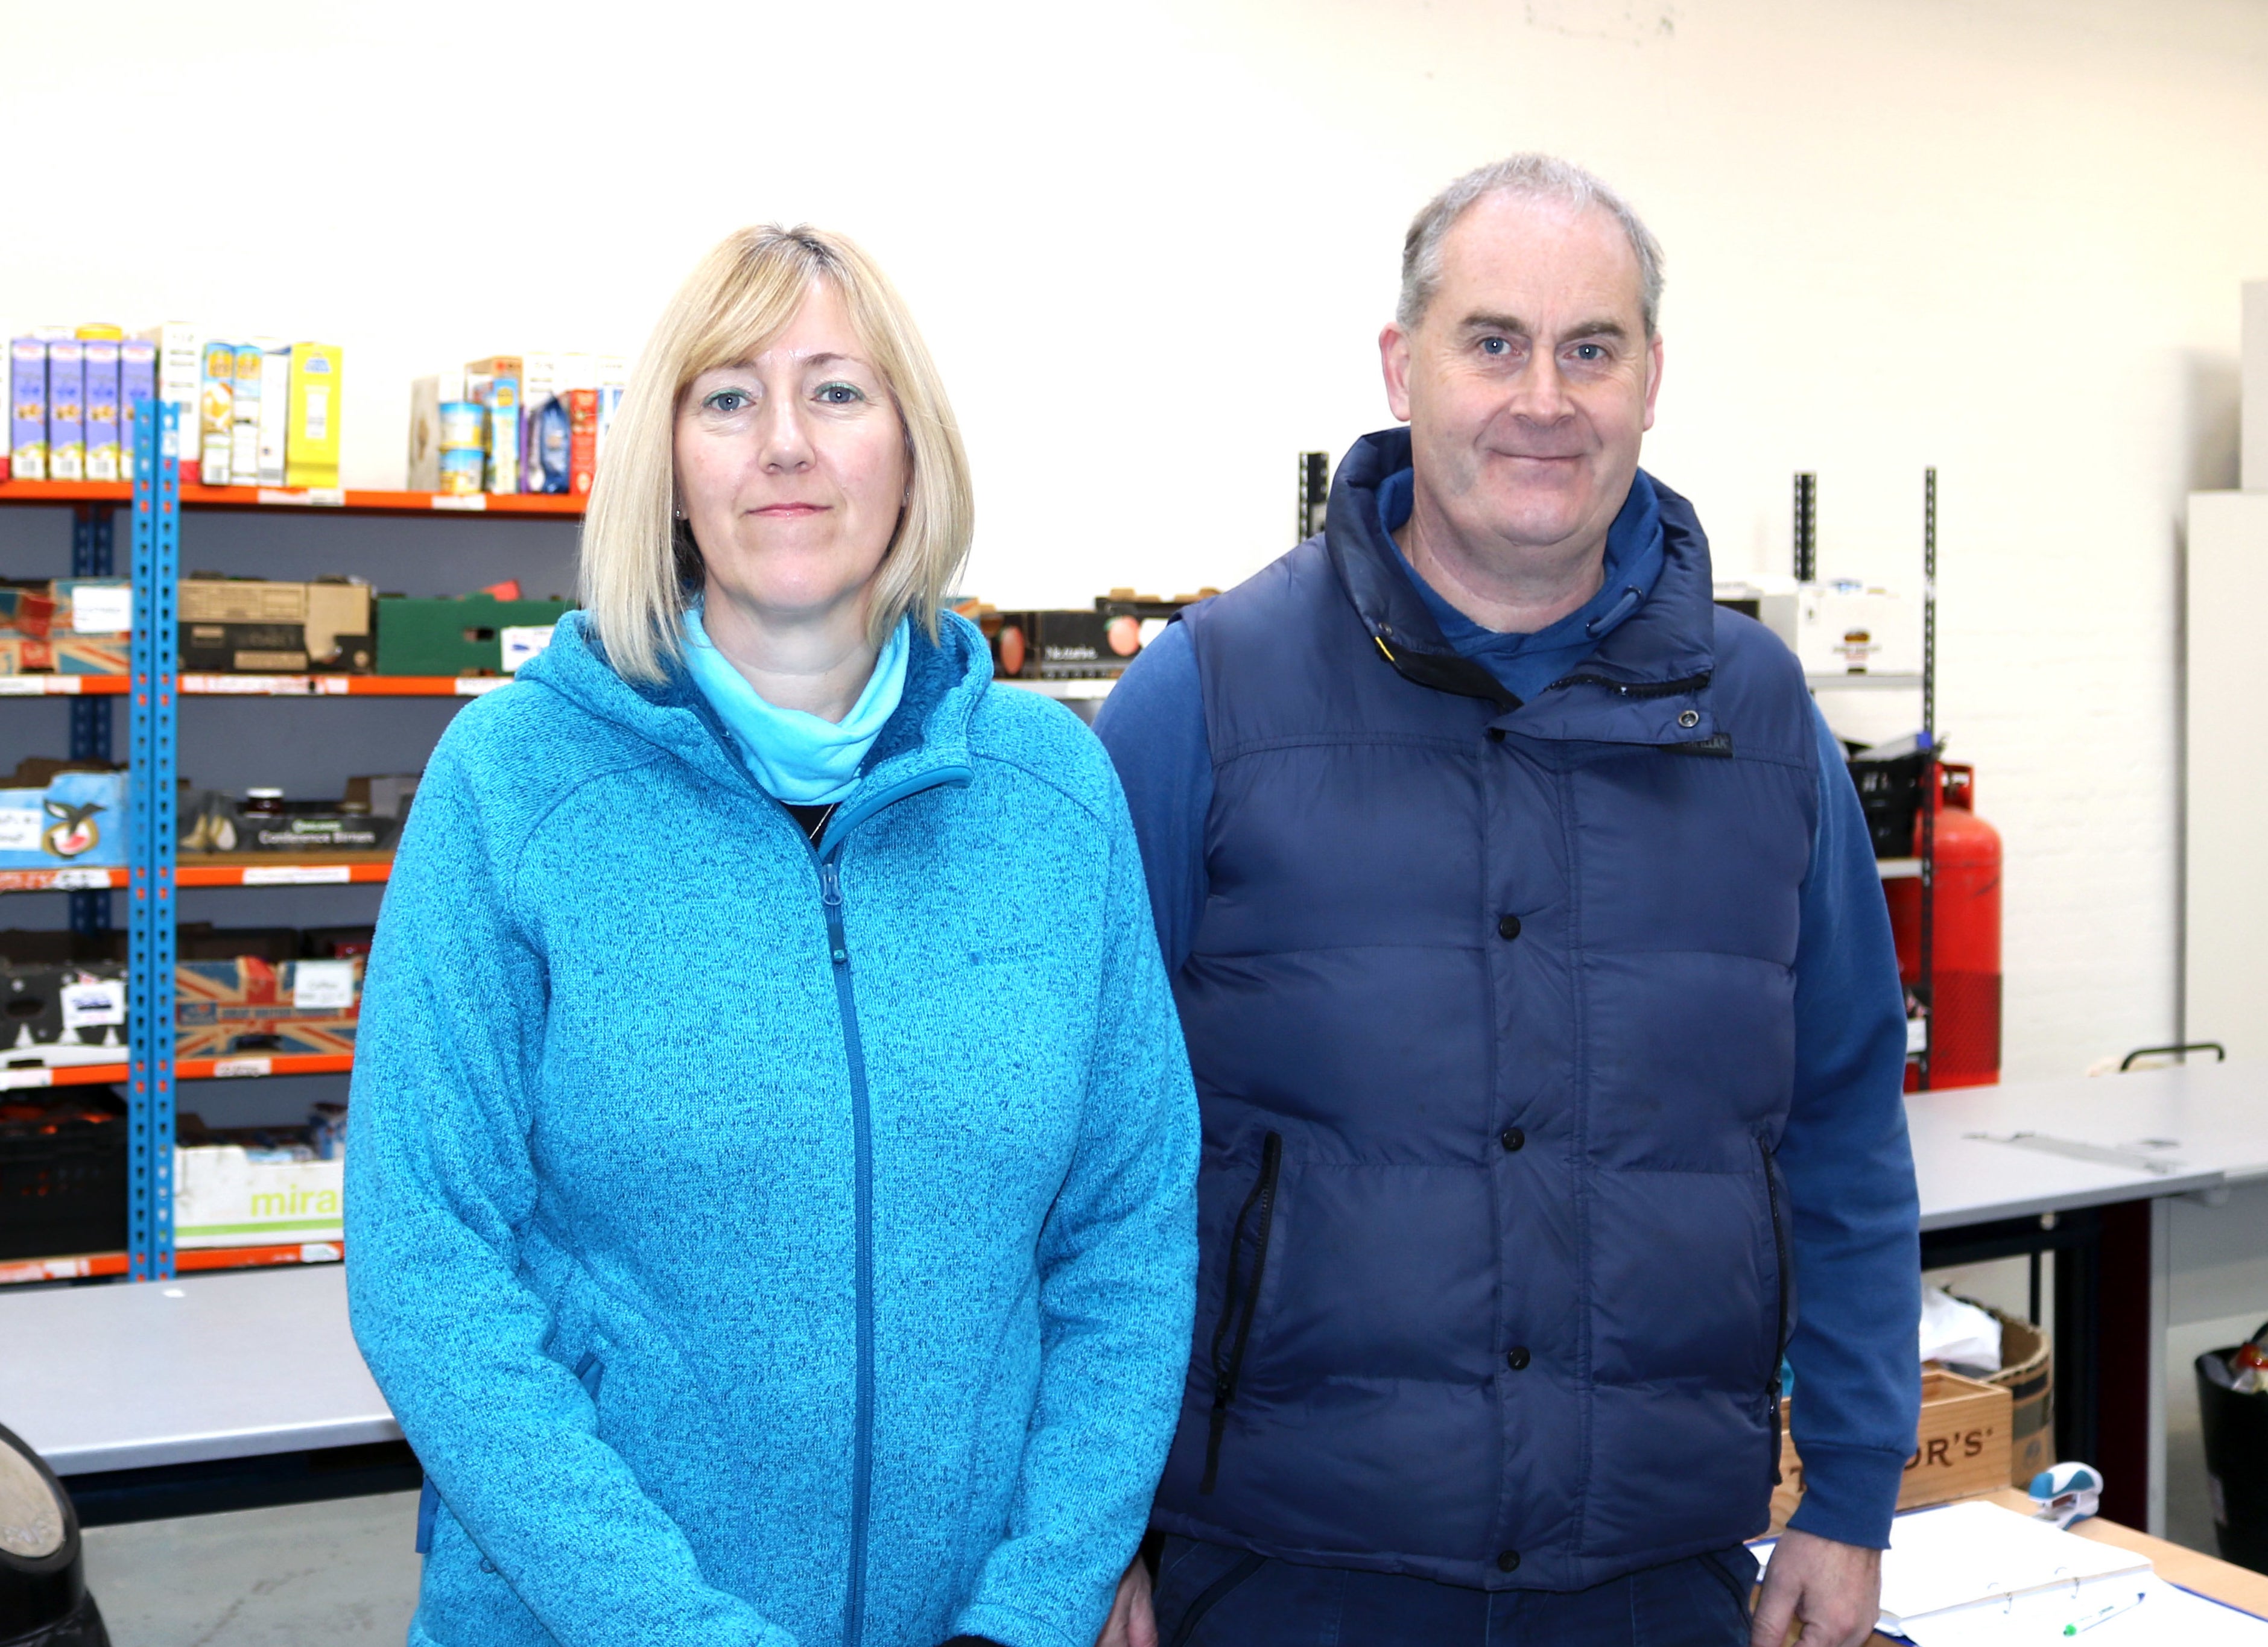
[[726, 400], [839, 393]]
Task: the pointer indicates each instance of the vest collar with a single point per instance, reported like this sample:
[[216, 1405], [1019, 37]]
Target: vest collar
[[1650, 672]]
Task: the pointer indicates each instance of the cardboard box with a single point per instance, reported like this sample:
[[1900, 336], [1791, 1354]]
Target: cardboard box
[[51, 818], [1962, 1447], [138, 386], [313, 827], [223, 1197], [1844, 627], [310, 431], [250, 1007], [63, 655], [249, 626], [216, 413], [180, 374], [539, 382], [424, 468], [27, 607], [28, 409], [275, 411], [62, 1013], [1060, 645], [66, 410], [460, 637], [244, 427], [100, 359]]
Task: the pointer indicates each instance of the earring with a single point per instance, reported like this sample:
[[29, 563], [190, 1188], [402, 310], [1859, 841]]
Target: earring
[[680, 514]]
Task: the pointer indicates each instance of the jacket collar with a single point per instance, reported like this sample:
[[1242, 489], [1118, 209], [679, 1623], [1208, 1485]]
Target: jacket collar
[[1650, 672], [925, 744]]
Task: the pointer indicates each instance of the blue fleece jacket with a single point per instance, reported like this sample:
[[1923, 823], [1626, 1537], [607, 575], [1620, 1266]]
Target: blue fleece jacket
[[1853, 1348], [762, 1245]]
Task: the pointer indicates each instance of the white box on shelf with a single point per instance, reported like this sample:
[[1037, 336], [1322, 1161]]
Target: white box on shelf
[[1844, 627], [222, 1197]]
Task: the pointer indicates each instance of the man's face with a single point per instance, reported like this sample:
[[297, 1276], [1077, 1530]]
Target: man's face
[[1529, 381]]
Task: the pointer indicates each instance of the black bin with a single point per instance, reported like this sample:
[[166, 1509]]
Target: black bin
[[43, 1596], [63, 1172], [2236, 1461]]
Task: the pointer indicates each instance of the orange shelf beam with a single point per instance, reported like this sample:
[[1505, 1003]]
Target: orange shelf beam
[[264, 686], [17, 1271], [344, 869], [521, 505]]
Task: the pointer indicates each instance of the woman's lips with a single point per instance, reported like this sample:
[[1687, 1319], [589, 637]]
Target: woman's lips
[[790, 510]]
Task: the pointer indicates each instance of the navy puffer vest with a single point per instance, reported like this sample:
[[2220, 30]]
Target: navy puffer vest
[[1491, 1009]]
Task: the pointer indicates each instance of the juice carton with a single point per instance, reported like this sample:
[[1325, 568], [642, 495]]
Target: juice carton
[[539, 381], [275, 409], [66, 410], [494, 382], [180, 368], [100, 359], [28, 409], [216, 413], [137, 383], [244, 418], [311, 432]]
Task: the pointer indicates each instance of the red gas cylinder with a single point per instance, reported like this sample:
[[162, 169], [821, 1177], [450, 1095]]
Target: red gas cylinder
[[1964, 1014]]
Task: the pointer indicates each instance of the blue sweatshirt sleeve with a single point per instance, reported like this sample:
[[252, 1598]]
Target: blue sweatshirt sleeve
[[440, 1188], [1849, 1172], [1117, 1267], [1153, 724]]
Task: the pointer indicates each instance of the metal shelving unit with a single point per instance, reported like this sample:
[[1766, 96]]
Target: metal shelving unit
[[155, 870]]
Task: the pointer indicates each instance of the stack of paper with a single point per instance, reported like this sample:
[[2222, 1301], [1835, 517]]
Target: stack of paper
[[1975, 1575]]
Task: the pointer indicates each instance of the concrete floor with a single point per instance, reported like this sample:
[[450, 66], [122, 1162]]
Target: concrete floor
[[343, 1571]]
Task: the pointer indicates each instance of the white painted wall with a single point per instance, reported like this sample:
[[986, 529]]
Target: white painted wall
[[1151, 243]]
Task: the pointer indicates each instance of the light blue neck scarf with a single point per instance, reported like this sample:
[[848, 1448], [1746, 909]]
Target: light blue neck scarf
[[797, 756]]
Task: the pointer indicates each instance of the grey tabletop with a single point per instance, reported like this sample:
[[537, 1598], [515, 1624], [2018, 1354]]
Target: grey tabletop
[[115, 1377], [2026, 1147]]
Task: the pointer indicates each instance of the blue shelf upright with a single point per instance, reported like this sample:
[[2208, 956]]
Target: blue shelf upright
[[153, 715]]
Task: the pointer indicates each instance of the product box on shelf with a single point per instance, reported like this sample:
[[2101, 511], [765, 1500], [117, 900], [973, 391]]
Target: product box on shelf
[[92, 607], [426, 396], [180, 374], [216, 413], [244, 426], [27, 607], [311, 432], [582, 440], [138, 386], [28, 409], [61, 654], [63, 1013], [212, 820], [250, 626], [275, 411], [66, 409], [100, 358], [57, 814], [478, 635], [226, 1195], [1058, 646], [247, 1007]]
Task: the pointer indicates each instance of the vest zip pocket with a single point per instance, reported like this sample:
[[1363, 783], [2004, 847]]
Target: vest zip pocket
[[1779, 1309], [1239, 1297]]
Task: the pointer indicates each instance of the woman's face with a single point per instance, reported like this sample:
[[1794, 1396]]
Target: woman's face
[[791, 470]]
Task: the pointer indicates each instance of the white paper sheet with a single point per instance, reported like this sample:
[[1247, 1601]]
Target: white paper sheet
[[2104, 1616]]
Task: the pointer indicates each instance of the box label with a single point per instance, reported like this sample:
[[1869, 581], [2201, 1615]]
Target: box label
[[323, 983], [102, 609], [20, 829], [521, 642], [94, 1002]]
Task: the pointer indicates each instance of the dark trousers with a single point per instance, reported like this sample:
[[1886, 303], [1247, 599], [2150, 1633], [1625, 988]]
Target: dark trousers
[[1210, 1595]]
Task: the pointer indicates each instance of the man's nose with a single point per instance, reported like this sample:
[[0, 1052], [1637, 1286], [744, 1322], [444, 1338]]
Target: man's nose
[[1540, 393]]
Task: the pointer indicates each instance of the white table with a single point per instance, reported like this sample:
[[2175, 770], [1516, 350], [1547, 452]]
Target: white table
[[1987, 1154], [226, 1366]]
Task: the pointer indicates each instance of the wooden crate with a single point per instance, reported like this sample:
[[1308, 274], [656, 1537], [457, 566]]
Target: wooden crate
[[1962, 1447], [2028, 1373]]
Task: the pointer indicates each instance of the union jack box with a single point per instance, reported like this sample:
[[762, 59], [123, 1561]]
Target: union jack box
[[225, 1009]]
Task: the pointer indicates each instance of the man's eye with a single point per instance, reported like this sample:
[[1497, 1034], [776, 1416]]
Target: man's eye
[[726, 401], [1495, 346], [840, 394], [1593, 352]]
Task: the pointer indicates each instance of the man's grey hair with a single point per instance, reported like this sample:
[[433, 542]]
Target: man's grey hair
[[1530, 177]]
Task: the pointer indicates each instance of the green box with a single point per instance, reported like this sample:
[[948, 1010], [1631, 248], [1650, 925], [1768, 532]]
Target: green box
[[467, 637]]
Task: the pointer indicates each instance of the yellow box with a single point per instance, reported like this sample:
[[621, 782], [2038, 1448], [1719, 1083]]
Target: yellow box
[[311, 432]]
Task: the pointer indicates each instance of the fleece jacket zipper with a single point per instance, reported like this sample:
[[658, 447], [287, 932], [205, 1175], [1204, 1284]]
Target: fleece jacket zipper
[[862, 1148]]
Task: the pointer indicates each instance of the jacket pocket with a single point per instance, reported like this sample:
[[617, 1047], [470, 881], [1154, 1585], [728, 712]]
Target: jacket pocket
[[1239, 1297], [1776, 1200]]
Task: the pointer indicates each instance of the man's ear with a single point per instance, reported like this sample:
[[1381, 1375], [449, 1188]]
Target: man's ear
[[1394, 363], [1652, 376]]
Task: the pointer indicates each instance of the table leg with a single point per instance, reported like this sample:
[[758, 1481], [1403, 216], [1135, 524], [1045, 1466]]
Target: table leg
[[2129, 1348]]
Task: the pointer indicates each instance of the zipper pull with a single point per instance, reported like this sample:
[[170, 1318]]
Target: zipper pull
[[830, 888]]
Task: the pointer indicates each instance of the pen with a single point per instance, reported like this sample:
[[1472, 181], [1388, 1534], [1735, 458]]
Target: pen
[[2109, 1611]]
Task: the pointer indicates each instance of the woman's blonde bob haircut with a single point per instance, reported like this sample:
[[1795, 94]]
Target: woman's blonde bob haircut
[[641, 568]]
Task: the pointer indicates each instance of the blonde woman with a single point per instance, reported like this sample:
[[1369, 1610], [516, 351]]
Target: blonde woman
[[772, 1146]]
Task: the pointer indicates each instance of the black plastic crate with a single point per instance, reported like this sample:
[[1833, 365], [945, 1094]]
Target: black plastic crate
[[62, 1177]]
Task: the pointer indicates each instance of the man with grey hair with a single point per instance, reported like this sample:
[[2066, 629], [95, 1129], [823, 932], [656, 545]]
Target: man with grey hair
[[1539, 986]]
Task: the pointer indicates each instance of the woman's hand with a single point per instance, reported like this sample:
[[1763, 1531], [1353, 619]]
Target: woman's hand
[[1131, 1623]]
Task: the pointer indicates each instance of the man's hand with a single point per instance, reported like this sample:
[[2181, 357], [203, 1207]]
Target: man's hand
[[1132, 1623], [1833, 1591]]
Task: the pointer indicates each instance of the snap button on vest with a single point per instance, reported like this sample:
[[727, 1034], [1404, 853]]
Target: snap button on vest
[[1508, 1560], [1512, 1138], [1689, 717], [1516, 1357], [1507, 927]]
